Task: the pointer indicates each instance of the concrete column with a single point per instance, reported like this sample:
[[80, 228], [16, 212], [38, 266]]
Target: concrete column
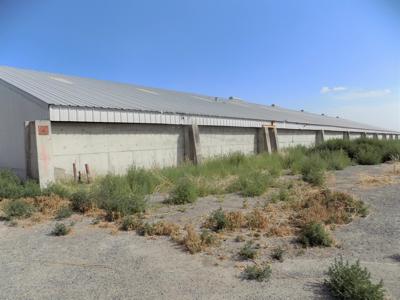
[[192, 144], [390, 136], [346, 135], [375, 136], [363, 135], [384, 137], [396, 136], [273, 137], [320, 137], [39, 152], [263, 140]]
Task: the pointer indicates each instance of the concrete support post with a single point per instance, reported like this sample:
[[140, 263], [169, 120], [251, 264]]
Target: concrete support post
[[273, 138], [384, 137], [363, 135], [346, 135], [375, 136], [390, 136], [192, 144], [263, 140], [396, 136], [320, 137], [39, 152]]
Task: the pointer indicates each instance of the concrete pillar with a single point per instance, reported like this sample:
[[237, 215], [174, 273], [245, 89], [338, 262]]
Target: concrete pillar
[[273, 137], [39, 152], [320, 137], [192, 144], [363, 135], [346, 135], [375, 136], [384, 137], [396, 136], [263, 140], [390, 136]]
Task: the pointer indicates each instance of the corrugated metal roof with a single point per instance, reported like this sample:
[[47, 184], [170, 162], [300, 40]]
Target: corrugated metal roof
[[56, 89]]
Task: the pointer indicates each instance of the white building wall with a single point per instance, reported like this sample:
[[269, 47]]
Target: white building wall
[[291, 138], [330, 135], [217, 141], [15, 109], [112, 148]]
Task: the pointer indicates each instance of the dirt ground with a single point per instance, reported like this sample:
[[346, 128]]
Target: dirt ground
[[100, 263]]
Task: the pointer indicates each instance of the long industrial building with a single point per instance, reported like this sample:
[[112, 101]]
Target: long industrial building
[[53, 126]]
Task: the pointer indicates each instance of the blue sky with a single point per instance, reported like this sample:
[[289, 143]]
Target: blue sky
[[339, 57]]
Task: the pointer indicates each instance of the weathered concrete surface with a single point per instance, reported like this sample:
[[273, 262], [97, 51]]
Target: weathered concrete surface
[[115, 147], [15, 110], [291, 138], [329, 135], [216, 141]]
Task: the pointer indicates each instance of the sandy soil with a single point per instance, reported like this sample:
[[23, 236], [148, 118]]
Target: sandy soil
[[98, 263]]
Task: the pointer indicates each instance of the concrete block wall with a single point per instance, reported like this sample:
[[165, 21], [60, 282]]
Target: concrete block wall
[[217, 141], [112, 148], [355, 135], [291, 138], [329, 135]]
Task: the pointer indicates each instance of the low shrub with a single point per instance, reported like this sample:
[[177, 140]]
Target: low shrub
[[11, 187], [81, 200], [313, 170], [293, 158], [146, 229], [335, 160], [351, 281], [248, 251], [252, 184], [217, 221], [184, 192], [315, 234], [368, 155], [63, 213], [277, 253], [60, 229], [131, 223], [57, 189], [208, 238], [143, 181], [259, 273], [114, 195], [17, 208], [282, 195]]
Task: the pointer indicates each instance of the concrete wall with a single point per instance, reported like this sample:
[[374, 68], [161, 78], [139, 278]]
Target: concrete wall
[[330, 135], [15, 109], [217, 141], [291, 138], [112, 148], [354, 135]]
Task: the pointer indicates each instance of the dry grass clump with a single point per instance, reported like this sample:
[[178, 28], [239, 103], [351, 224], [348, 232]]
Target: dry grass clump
[[192, 240], [48, 206], [236, 220], [257, 219], [377, 180]]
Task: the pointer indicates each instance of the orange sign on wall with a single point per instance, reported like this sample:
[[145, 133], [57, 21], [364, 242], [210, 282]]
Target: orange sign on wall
[[43, 130]]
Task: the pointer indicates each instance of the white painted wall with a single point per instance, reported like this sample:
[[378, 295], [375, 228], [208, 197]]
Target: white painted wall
[[217, 141], [291, 138], [330, 135], [15, 109], [112, 148]]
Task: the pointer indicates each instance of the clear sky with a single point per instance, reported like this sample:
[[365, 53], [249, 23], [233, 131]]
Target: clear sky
[[340, 57]]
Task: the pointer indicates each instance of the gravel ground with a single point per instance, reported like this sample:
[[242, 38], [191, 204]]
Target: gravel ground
[[91, 263]]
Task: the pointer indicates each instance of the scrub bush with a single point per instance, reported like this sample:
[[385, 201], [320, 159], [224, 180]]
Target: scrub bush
[[81, 200], [259, 273], [141, 180], [17, 208], [278, 253], [57, 189], [352, 282], [313, 170], [248, 251], [184, 192], [314, 234], [131, 223], [60, 229], [252, 184], [335, 160], [217, 220], [11, 186], [368, 155], [114, 195], [63, 213]]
